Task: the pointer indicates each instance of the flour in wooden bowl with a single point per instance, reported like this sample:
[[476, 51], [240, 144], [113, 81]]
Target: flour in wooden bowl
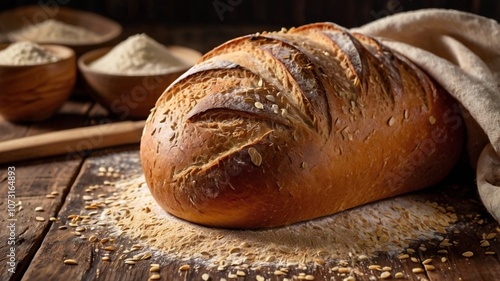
[[138, 55], [26, 53], [56, 31], [387, 226]]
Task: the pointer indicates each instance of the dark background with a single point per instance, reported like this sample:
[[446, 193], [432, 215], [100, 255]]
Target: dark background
[[203, 24]]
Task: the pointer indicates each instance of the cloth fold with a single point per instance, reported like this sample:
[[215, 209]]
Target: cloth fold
[[461, 51]]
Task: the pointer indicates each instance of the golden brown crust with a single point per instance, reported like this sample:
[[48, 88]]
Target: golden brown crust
[[277, 128]]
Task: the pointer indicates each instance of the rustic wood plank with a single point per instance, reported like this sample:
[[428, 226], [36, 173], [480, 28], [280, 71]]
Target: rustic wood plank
[[33, 181], [62, 244]]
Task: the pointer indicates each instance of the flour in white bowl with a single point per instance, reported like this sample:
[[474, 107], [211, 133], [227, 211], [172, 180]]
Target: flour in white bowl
[[138, 55]]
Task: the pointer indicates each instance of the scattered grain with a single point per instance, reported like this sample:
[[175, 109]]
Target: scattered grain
[[403, 256], [344, 270], [429, 267], [417, 270], [39, 219], [362, 257], [468, 254], [399, 275], [385, 275], [70, 262], [184, 267], [154, 269], [427, 261], [490, 236], [155, 276], [485, 243], [279, 273], [39, 209]]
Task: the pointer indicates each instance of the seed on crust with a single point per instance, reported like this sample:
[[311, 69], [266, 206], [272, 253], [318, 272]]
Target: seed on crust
[[255, 156]]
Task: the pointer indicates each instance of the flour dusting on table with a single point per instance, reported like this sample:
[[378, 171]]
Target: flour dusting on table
[[389, 226]]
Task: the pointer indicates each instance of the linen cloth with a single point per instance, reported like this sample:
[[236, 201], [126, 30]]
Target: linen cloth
[[461, 51]]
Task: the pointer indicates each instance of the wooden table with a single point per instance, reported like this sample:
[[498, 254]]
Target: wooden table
[[41, 246]]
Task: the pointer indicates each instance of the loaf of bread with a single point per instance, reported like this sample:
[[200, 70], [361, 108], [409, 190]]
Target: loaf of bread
[[276, 128]]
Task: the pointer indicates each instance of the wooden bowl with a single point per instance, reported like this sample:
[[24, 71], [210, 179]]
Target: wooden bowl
[[15, 19], [131, 96], [36, 92]]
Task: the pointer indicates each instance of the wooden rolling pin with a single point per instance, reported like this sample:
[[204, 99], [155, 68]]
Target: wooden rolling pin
[[71, 141]]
